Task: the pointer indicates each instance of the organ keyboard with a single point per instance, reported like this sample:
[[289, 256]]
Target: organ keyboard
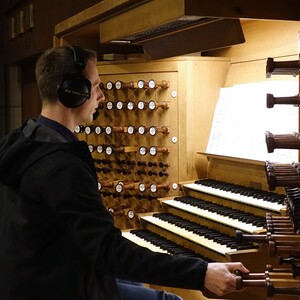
[[204, 220], [230, 217], [142, 242], [237, 193], [157, 243], [192, 219], [198, 234]]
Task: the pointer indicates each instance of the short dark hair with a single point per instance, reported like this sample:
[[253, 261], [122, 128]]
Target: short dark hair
[[53, 65]]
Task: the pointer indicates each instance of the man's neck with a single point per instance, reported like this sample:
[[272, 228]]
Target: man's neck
[[60, 114]]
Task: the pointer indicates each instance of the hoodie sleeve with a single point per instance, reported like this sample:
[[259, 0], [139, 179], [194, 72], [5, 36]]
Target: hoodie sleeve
[[71, 193]]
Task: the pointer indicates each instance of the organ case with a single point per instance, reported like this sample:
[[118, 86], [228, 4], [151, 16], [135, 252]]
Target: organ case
[[188, 119]]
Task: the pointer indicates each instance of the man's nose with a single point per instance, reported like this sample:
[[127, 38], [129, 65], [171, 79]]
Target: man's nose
[[101, 95]]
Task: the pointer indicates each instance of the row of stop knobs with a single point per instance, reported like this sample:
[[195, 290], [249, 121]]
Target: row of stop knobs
[[125, 167], [130, 129], [131, 105], [140, 84], [121, 186], [142, 150]]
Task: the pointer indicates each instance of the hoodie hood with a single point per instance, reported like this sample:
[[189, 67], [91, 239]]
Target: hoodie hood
[[25, 146]]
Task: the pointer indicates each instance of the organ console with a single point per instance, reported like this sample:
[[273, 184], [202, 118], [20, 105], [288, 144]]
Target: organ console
[[188, 217]]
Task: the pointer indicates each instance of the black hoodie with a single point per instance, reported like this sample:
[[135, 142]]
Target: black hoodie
[[57, 239]]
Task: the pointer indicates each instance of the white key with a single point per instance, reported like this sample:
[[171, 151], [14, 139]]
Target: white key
[[214, 216], [222, 249], [141, 242], [236, 197]]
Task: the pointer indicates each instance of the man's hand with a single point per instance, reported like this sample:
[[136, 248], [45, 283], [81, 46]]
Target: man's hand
[[220, 278]]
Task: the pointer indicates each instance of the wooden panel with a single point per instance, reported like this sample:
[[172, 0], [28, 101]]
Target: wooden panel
[[100, 10], [263, 39], [243, 173], [254, 71], [195, 83], [145, 17], [141, 18], [210, 35], [267, 9], [199, 82]]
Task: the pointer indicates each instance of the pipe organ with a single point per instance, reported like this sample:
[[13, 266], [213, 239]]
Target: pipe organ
[[144, 143], [149, 144]]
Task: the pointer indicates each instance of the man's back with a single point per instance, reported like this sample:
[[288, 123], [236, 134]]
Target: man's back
[[38, 258]]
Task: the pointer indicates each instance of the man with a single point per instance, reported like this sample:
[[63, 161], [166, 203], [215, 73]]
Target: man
[[57, 239]]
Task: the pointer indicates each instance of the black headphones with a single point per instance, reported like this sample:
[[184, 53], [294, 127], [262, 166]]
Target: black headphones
[[75, 89]]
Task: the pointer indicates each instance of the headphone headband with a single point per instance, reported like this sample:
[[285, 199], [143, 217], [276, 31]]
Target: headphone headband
[[78, 57]]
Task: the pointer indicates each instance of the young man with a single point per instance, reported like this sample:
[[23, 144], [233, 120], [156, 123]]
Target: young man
[[57, 239]]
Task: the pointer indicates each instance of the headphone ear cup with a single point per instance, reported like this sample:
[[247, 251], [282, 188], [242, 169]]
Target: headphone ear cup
[[74, 90]]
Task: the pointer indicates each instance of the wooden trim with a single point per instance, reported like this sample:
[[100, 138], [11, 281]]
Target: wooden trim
[[234, 159], [100, 11]]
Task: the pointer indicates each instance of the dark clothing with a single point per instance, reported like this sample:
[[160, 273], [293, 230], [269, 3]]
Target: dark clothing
[[57, 239], [136, 291], [62, 130]]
